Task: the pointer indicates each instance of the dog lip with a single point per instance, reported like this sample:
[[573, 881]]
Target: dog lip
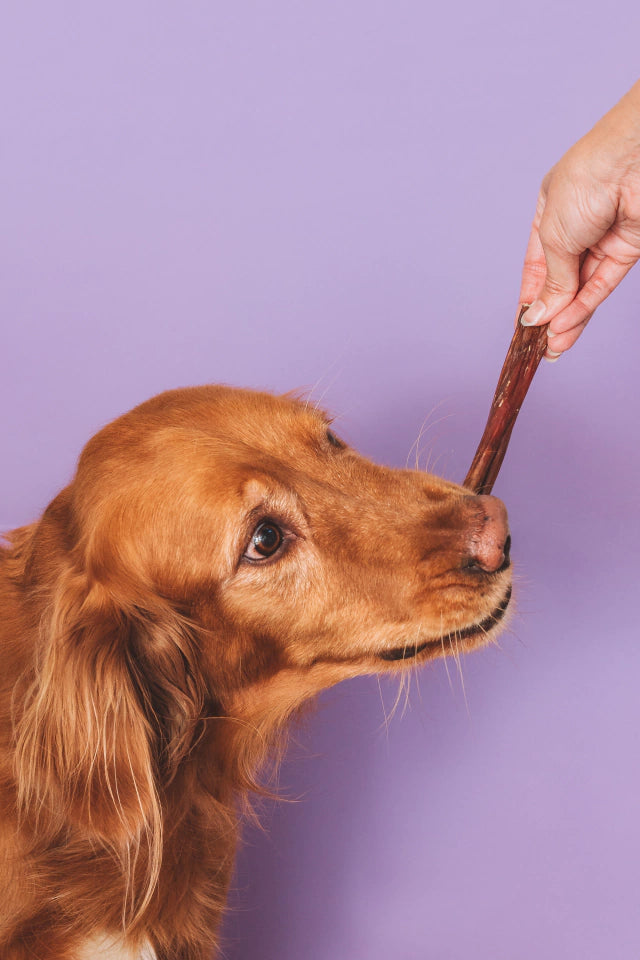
[[483, 626]]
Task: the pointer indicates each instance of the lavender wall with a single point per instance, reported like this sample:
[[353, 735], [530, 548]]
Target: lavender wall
[[337, 195]]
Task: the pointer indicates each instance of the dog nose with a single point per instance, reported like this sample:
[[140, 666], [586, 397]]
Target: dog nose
[[489, 542]]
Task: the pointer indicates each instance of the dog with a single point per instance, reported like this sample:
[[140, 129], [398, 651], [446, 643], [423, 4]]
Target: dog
[[220, 557]]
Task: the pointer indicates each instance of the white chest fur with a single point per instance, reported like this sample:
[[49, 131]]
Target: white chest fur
[[110, 948]]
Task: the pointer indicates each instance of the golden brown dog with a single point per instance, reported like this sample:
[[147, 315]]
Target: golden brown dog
[[219, 558]]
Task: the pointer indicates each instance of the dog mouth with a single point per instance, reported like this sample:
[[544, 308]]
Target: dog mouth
[[466, 633]]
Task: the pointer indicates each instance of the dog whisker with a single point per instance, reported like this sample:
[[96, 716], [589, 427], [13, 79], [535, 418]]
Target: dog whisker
[[445, 652], [460, 673], [424, 428], [385, 722]]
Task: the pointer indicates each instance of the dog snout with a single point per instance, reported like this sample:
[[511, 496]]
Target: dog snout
[[489, 541]]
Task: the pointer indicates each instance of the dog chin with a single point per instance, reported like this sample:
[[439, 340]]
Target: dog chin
[[457, 641]]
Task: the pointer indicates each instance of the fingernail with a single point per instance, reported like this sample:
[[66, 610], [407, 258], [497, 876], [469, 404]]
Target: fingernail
[[551, 356], [550, 333], [534, 314]]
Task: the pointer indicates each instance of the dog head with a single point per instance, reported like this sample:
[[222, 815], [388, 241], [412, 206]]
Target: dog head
[[246, 512], [221, 551]]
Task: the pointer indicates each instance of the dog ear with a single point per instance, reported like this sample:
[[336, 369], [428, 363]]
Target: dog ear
[[164, 658], [114, 705], [85, 746]]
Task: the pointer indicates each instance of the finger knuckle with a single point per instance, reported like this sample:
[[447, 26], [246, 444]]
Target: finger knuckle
[[534, 269], [556, 286], [600, 286]]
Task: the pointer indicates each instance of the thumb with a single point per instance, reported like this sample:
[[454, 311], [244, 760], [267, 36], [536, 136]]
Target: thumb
[[560, 284]]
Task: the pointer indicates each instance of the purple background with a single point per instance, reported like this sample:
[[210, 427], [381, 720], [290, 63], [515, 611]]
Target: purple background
[[337, 195]]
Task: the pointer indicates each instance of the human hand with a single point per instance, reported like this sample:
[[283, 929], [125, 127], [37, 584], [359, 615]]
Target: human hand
[[586, 232]]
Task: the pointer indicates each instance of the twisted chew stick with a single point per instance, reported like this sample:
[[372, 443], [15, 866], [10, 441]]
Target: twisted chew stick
[[525, 353]]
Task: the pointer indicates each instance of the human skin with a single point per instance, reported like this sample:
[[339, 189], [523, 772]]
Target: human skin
[[586, 232]]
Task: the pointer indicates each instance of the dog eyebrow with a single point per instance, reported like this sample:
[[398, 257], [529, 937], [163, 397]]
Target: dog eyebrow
[[271, 502]]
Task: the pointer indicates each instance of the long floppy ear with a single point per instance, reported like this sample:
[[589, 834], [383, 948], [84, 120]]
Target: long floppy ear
[[114, 705], [85, 746]]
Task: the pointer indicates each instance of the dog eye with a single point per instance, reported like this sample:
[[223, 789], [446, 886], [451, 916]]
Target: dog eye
[[334, 441], [266, 540]]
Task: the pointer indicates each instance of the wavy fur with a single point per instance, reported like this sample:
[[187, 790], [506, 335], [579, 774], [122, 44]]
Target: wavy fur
[[152, 664]]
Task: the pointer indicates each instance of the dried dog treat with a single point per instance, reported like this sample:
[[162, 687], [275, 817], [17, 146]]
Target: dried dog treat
[[525, 353]]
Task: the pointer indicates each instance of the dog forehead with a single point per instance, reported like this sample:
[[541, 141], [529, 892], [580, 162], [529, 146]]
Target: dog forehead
[[189, 424], [268, 422], [258, 419]]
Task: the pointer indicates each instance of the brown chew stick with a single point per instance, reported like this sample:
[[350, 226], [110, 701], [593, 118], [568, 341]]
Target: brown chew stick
[[525, 353]]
